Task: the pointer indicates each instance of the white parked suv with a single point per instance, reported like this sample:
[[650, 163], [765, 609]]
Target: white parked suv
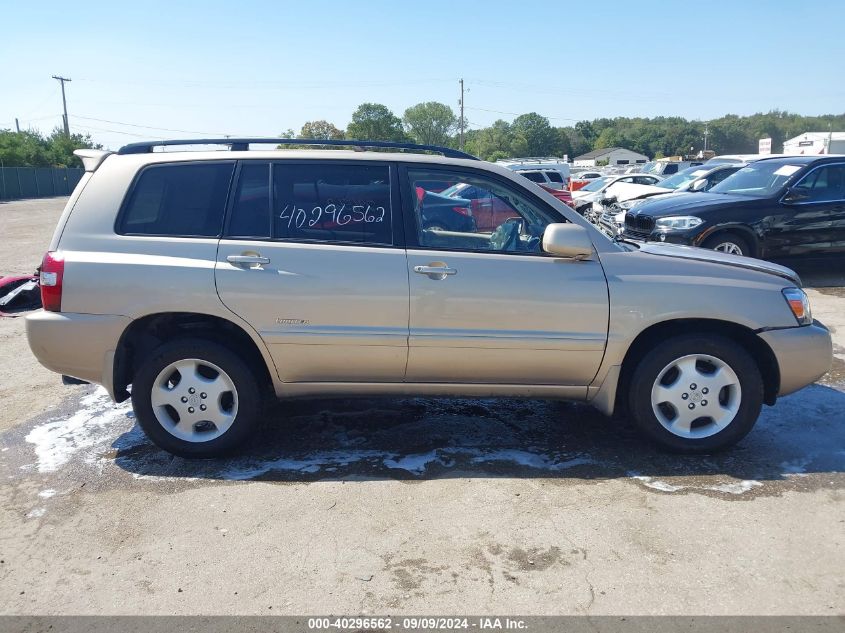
[[202, 282]]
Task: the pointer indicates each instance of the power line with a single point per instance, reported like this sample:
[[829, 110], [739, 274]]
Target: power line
[[553, 118], [148, 127]]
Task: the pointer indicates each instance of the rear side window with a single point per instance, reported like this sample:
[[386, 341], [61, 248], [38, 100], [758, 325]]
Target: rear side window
[[554, 176], [332, 203], [179, 200], [534, 176], [251, 206]]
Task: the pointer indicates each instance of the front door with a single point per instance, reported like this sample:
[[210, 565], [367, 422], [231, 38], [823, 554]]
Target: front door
[[814, 223], [488, 307], [312, 258]]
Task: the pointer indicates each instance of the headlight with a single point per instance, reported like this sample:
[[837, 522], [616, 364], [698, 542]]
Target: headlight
[[678, 222], [628, 204], [799, 304]]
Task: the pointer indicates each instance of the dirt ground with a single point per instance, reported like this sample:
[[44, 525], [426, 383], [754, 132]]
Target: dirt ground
[[416, 505]]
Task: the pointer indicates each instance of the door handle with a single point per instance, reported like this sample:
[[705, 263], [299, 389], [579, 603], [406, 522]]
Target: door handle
[[254, 261], [435, 272]]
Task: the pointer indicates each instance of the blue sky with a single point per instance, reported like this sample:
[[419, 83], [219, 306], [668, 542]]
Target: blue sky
[[187, 69]]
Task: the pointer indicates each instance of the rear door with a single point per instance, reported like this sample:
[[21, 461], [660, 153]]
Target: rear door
[[312, 257], [488, 307]]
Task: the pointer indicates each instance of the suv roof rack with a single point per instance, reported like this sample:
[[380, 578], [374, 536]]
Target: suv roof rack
[[242, 144]]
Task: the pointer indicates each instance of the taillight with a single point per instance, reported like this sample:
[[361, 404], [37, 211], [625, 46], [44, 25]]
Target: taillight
[[463, 210], [50, 280]]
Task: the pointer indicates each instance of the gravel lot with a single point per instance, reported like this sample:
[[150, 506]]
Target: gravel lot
[[423, 506]]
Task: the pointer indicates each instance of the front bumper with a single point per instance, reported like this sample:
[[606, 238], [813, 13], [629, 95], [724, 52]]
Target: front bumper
[[804, 354], [77, 345]]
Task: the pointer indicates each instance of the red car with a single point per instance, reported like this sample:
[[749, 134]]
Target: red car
[[561, 194]]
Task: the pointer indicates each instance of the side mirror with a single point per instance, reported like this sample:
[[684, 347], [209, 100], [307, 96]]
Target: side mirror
[[567, 240], [699, 185], [793, 195]]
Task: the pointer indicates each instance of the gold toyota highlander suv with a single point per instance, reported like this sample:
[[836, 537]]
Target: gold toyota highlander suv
[[202, 281]]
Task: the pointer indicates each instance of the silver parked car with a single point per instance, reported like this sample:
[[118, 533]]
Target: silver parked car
[[203, 281]]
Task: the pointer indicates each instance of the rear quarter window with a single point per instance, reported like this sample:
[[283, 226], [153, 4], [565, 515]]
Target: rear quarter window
[[554, 176], [177, 200]]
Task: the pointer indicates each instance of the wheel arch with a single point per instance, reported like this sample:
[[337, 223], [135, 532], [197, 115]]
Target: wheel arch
[[145, 334], [745, 337], [744, 231]]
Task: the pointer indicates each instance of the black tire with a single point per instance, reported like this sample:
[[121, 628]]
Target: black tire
[[648, 369], [714, 242], [246, 385], [434, 226]]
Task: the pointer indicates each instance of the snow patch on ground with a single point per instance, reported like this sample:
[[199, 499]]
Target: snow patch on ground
[[734, 488], [46, 494], [58, 440], [656, 484], [416, 464]]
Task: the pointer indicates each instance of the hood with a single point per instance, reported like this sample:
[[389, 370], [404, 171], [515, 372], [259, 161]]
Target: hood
[[694, 202], [626, 190], [717, 257]]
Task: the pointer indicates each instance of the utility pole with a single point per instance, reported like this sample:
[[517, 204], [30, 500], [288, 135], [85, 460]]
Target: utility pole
[[461, 102], [706, 132], [17, 125], [62, 81]]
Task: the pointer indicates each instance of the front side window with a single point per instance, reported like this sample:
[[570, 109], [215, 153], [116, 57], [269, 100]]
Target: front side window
[[824, 185], [185, 200], [498, 218], [333, 203]]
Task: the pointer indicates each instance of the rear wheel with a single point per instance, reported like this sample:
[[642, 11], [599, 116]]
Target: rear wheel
[[196, 398], [696, 393], [730, 243]]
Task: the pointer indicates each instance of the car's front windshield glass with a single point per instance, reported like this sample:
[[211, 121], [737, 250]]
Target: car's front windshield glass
[[758, 180], [682, 178], [596, 185], [649, 168]]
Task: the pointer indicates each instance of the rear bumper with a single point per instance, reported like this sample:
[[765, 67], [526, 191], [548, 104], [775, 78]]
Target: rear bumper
[[77, 345], [804, 355]]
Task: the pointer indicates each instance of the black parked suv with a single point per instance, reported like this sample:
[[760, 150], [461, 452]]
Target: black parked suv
[[774, 207]]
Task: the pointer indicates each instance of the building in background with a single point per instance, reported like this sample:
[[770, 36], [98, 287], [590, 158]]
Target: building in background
[[816, 143], [610, 156]]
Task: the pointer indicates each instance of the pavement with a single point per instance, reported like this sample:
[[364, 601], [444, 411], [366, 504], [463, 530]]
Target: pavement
[[414, 505]]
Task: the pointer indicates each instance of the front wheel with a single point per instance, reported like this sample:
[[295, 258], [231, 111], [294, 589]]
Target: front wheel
[[196, 398], [696, 393], [730, 243]]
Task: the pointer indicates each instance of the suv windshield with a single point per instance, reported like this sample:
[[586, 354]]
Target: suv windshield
[[758, 180], [596, 185], [682, 178]]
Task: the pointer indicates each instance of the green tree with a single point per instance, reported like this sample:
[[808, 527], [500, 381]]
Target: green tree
[[430, 123], [321, 129], [375, 122], [534, 136], [31, 149], [60, 147], [490, 143]]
